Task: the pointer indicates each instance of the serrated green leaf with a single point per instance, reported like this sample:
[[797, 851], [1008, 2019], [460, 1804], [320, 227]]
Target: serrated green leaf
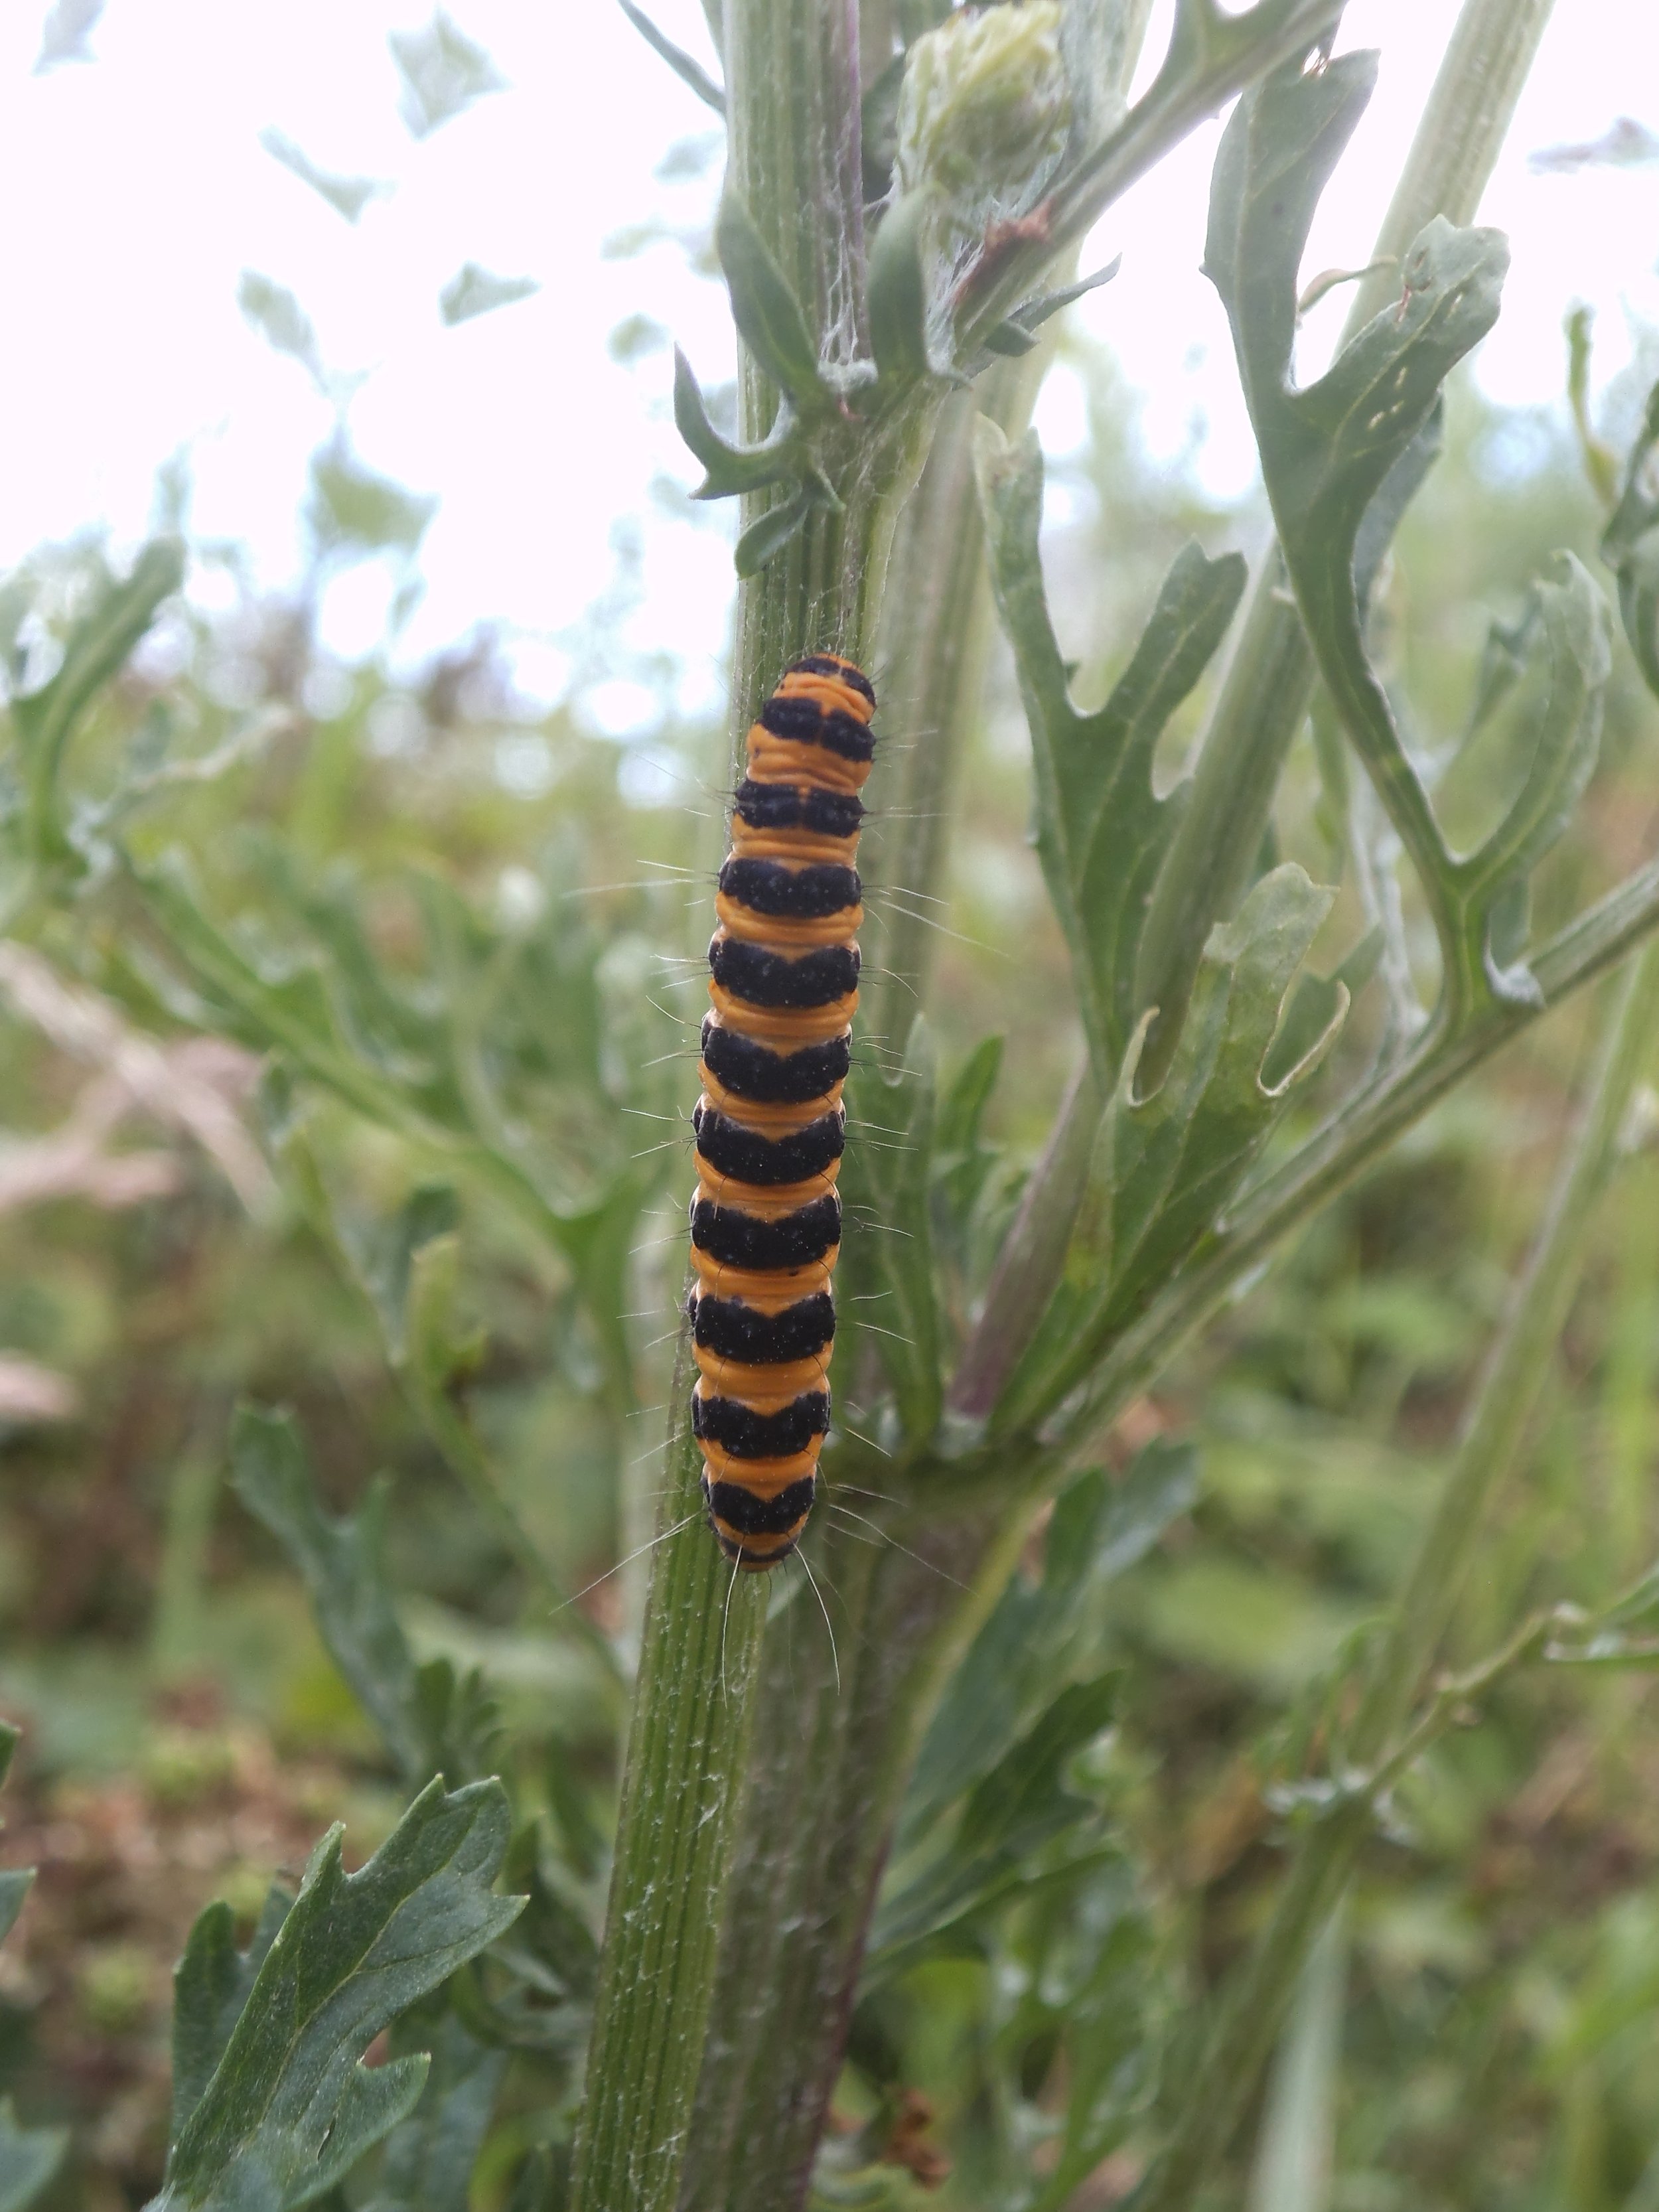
[[1037, 1633], [898, 289], [423, 1715], [1341, 457], [473, 291], [1016, 334], [1102, 832], [29, 2158], [94, 650], [347, 196], [383, 1253], [291, 2107], [768, 536], [765, 306], [728, 468], [1021, 1807], [428, 2160], [1164, 1168], [887, 1252], [1630, 545], [211, 1983], [16, 1883], [443, 73], [684, 65]]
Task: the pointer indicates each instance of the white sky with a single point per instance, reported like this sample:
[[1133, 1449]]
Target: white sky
[[139, 193]]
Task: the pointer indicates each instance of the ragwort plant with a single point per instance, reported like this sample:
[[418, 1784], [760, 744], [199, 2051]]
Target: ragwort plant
[[799, 1829]]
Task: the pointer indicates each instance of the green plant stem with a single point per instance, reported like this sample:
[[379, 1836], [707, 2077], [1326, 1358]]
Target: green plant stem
[[1510, 1385], [685, 1748], [1269, 681], [1490, 1447], [792, 96]]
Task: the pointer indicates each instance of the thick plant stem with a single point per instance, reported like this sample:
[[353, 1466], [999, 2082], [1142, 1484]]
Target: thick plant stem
[[685, 1750], [792, 84], [1513, 1380], [1269, 681]]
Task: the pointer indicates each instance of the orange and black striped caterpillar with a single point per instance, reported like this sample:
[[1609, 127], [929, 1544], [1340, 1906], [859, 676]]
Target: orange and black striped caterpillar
[[770, 1125]]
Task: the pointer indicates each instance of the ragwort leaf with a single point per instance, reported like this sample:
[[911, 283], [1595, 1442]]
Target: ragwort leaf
[[1163, 1168], [94, 650], [210, 1985], [291, 2107], [729, 469], [1020, 1808], [29, 2157], [429, 2157], [1037, 1632], [1630, 545], [1329, 454], [1102, 832], [429, 1719], [765, 306], [342, 1565]]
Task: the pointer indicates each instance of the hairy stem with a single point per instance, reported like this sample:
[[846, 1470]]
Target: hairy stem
[[1511, 1383]]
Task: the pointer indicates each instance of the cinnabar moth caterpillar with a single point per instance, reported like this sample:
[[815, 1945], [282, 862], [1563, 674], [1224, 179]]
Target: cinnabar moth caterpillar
[[770, 1125]]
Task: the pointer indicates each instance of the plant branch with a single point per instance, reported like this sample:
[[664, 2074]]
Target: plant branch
[[1513, 1380], [1269, 681]]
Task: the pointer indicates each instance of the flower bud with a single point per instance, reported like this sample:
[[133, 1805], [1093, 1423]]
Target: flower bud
[[985, 109]]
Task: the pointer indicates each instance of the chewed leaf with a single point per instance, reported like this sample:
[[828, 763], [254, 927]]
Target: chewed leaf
[[1164, 1168], [1102, 832], [289, 2107]]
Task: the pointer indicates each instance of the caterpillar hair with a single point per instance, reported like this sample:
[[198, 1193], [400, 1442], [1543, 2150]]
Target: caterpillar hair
[[770, 1125]]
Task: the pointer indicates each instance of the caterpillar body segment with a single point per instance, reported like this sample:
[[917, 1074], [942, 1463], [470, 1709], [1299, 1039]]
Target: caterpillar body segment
[[770, 1125]]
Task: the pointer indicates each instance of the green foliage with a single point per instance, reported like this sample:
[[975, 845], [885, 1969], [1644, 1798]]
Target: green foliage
[[430, 1722], [1101, 831], [444, 72], [289, 2108]]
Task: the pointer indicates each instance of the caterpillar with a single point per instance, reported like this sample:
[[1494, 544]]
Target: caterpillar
[[770, 1127]]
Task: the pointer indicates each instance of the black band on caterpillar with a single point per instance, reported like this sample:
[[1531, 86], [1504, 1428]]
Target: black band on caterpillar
[[809, 724], [752, 1515], [769, 978], [749, 1435], [740, 1240], [730, 1149], [787, 806], [735, 1331], [770, 1128], [806, 894], [754, 1071]]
